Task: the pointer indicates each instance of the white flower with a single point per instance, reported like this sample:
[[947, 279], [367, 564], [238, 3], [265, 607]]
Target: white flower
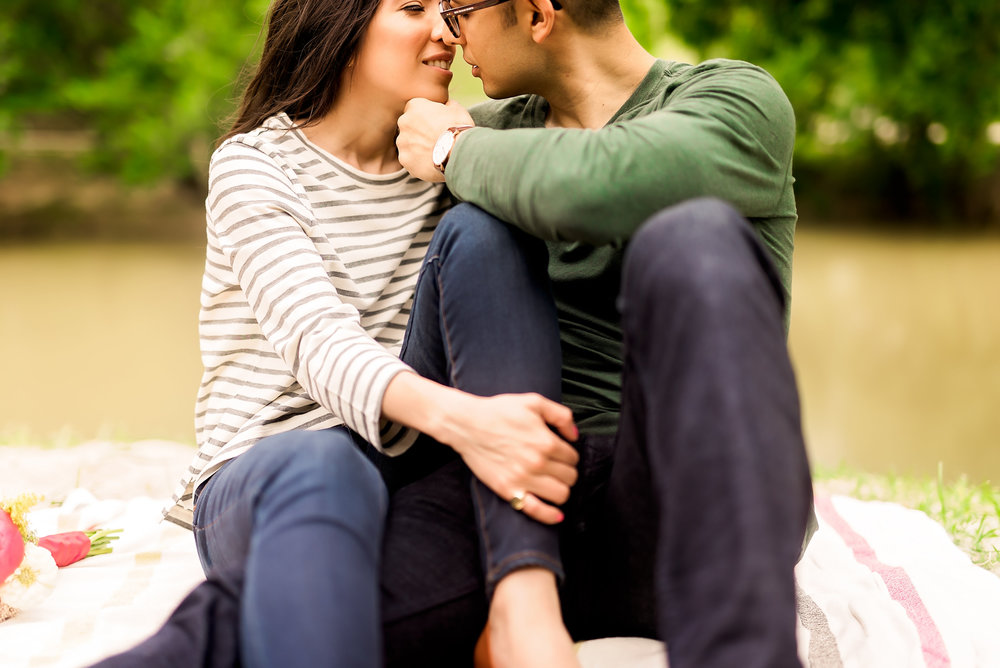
[[33, 581]]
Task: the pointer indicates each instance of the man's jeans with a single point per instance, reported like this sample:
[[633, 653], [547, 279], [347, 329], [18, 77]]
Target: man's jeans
[[686, 525]]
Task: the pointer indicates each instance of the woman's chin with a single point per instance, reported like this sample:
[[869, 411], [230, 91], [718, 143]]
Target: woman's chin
[[441, 95]]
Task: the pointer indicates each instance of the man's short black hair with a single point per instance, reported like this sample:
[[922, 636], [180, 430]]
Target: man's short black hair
[[588, 14], [592, 14]]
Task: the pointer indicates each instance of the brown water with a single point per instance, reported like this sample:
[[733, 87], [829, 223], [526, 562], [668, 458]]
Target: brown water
[[896, 343]]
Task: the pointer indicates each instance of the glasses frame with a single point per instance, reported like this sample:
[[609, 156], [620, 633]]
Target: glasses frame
[[450, 15]]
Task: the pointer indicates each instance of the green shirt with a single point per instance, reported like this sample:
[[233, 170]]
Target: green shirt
[[721, 128]]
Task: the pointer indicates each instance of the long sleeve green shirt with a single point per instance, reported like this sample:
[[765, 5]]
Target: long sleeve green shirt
[[721, 128]]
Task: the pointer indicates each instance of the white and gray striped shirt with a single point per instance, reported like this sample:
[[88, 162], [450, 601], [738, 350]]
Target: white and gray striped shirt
[[309, 277]]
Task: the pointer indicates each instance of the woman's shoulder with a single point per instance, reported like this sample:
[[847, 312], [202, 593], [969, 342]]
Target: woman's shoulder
[[272, 144], [273, 138]]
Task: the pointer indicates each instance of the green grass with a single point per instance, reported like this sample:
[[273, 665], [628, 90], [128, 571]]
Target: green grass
[[969, 512]]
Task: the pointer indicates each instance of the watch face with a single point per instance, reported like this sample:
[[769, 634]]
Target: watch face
[[441, 147]]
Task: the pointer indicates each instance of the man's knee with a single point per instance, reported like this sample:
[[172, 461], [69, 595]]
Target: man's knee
[[700, 249]]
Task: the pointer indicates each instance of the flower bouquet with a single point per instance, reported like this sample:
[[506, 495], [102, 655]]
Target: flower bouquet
[[28, 564]]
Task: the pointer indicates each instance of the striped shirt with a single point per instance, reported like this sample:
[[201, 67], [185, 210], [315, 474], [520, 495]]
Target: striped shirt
[[310, 271]]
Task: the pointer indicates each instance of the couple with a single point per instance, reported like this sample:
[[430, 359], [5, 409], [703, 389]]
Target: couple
[[560, 410]]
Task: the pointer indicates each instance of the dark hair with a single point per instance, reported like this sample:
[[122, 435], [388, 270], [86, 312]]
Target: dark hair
[[309, 44], [592, 15]]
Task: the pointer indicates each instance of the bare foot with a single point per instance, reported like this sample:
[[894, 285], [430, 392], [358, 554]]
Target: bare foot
[[525, 626]]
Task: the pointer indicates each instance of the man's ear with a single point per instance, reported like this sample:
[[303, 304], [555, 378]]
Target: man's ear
[[543, 18]]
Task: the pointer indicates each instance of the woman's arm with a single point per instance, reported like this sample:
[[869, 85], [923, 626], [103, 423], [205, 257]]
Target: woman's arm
[[260, 225], [261, 229]]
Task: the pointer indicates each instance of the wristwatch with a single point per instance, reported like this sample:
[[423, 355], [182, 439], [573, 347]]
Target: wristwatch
[[444, 144]]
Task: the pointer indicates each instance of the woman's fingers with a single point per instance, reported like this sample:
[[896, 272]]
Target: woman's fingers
[[560, 417], [538, 510], [549, 487]]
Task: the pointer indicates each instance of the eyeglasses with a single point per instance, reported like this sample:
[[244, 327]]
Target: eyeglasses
[[450, 14]]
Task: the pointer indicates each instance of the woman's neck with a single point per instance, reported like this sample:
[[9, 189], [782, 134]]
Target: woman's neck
[[360, 133]]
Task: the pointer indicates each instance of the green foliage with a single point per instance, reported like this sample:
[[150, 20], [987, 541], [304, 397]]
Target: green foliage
[[905, 91], [894, 100], [152, 78]]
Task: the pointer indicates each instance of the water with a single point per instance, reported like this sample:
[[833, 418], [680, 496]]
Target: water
[[896, 342], [897, 346]]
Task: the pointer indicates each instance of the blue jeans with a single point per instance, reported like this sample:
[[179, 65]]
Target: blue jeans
[[687, 523], [289, 534]]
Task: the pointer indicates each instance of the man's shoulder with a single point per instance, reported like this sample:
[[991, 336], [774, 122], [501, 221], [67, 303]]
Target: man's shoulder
[[514, 112], [713, 86], [722, 72]]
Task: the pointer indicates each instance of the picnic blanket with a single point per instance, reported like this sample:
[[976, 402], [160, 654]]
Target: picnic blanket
[[880, 585]]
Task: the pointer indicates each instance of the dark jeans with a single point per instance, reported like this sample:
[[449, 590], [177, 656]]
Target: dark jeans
[[684, 526], [484, 321]]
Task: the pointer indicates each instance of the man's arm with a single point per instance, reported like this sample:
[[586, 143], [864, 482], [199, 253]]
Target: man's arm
[[726, 133]]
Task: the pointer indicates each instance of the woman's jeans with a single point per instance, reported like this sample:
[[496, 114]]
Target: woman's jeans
[[296, 524], [484, 321]]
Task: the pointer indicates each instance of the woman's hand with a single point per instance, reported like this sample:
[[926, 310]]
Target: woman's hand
[[506, 440], [421, 124], [507, 443]]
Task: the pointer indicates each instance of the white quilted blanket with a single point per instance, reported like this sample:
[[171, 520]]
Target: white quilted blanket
[[880, 585]]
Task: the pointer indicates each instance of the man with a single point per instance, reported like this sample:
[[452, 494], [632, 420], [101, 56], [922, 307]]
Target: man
[[664, 192]]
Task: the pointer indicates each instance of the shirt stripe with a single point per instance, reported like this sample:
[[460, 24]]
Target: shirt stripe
[[309, 277]]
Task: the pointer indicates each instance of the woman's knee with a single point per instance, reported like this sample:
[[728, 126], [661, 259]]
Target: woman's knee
[[326, 463], [468, 230]]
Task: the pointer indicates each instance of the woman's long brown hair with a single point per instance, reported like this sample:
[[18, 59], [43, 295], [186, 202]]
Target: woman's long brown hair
[[309, 45]]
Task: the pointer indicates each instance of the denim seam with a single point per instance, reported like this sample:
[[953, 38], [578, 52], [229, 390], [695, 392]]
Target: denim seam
[[488, 553], [444, 323]]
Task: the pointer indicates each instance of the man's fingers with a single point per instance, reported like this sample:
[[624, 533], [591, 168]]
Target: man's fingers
[[537, 509]]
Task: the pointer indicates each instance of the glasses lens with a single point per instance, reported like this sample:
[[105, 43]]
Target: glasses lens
[[450, 21]]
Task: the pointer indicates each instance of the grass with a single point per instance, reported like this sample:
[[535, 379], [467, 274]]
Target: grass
[[969, 512]]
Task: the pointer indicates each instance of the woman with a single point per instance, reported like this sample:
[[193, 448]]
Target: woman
[[316, 238]]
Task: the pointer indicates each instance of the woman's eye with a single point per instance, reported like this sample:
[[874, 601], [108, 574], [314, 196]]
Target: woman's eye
[[413, 8]]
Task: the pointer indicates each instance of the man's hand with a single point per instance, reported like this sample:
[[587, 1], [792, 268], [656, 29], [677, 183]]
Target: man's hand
[[506, 442], [420, 126]]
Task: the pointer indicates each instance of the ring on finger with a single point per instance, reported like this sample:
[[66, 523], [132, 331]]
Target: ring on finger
[[517, 501]]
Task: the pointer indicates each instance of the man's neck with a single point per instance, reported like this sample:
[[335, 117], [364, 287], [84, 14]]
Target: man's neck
[[594, 77]]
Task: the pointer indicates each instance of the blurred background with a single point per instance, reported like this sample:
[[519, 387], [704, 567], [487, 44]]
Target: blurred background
[[109, 111]]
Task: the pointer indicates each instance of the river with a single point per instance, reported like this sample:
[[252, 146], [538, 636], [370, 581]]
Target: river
[[895, 339]]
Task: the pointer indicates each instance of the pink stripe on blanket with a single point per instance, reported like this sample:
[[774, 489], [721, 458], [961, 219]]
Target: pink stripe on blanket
[[896, 581]]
